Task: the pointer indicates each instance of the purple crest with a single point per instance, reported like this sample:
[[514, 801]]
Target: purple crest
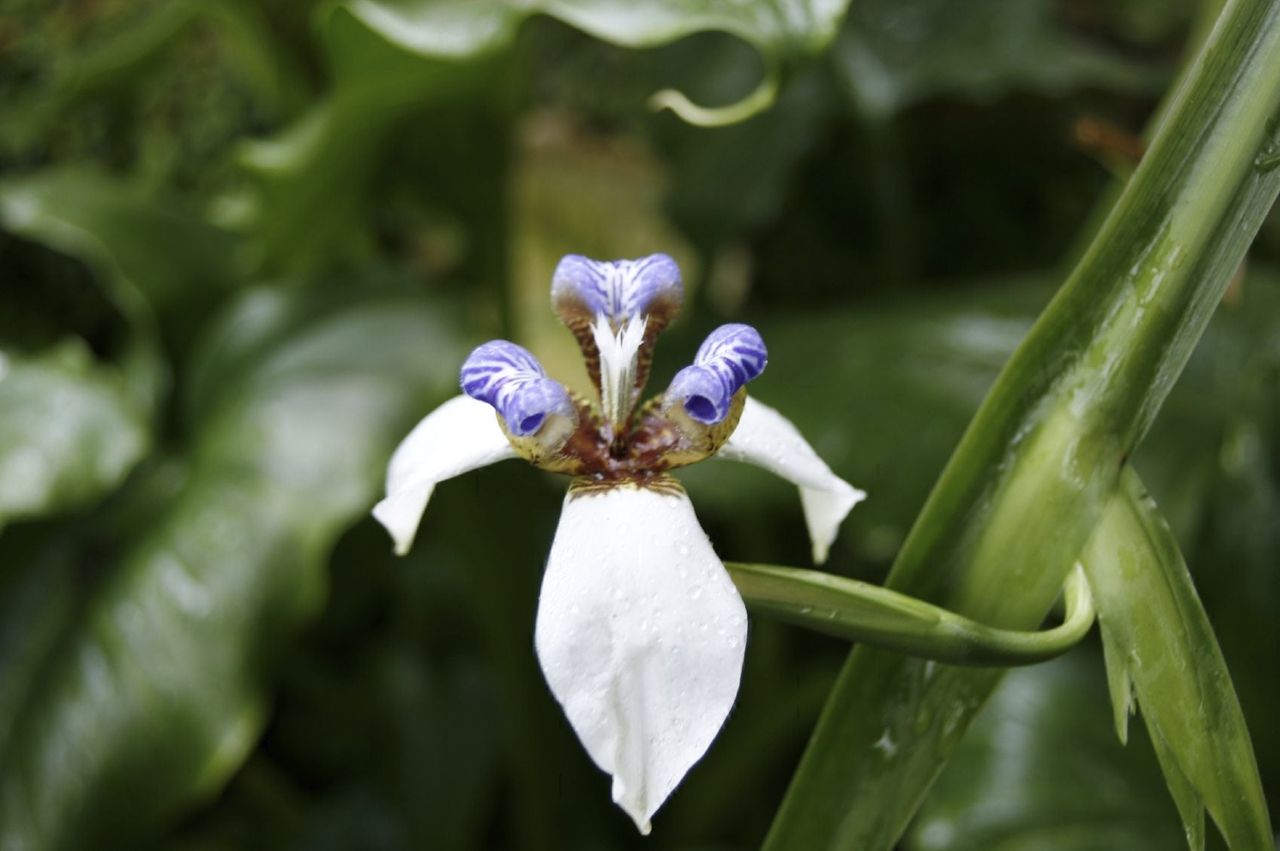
[[510, 379], [620, 289], [731, 356]]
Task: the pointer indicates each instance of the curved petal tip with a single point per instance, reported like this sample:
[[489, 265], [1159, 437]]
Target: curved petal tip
[[767, 439], [824, 511], [460, 435]]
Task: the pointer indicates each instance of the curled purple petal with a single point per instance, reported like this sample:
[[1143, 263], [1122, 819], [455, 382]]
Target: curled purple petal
[[620, 289], [510, 379], [731, 356]]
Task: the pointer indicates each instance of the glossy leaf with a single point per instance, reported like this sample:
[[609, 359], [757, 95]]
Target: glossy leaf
[[37, 601], [1039, 769], [150, 253], [69, 432], [160, 687], [461, 28], [1159, 639], [891, 55], [453, 29], [1033, 474], [392, 60], [307, 194], [147, 255]]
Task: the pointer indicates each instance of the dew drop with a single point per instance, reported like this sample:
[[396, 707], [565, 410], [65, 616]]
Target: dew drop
[[1268, 158]]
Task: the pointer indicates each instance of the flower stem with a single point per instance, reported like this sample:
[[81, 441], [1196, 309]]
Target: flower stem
[[858, 611]]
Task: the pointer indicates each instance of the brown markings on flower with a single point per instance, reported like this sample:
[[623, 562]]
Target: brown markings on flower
[[659, 439], [578, 318], [658, 482]]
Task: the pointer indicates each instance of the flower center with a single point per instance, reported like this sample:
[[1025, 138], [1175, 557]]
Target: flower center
[[619, 357]]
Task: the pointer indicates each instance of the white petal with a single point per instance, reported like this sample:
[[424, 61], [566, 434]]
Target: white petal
[[767, 439], [460, 435], [641, 636]]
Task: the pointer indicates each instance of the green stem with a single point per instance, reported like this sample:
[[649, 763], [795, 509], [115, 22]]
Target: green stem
[[858, 611], [760, 99], [1042, 457]]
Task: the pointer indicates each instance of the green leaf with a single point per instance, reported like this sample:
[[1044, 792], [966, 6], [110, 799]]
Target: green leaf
[[118, 61], [160, 688], [780, 29], [69, 431], [150, 254], [1037, 466], [309, 185], [1159, 639], [1040, 770], [462, 28], [891, 55], [392, 60], [37, 601]]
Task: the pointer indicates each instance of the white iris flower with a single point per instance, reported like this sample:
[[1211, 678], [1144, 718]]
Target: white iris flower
[[640, 631]]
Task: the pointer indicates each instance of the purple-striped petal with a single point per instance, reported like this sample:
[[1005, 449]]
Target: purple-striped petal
[[731, 356], [510, 379], [619, 289]]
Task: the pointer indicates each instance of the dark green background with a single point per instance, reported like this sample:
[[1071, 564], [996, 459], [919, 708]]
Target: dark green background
[[245, 246]]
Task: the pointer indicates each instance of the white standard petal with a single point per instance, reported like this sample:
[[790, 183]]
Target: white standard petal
[[641, 636], [460, 435], [619, 357], [767, 439]]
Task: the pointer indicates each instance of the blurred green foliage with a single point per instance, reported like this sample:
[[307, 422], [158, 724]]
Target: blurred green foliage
[[245, 245]]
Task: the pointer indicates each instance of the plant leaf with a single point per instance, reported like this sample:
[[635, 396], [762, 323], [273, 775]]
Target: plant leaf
[[160, 689], [1040, 770], [110, 65], [146, 252], [892, 54], [391, 60], [69, 431], [1159, 639]]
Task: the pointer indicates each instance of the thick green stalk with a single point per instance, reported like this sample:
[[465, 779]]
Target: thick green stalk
[[1028, 483]]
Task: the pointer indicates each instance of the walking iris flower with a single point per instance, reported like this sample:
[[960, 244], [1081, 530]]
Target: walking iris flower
[[640, 631]]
